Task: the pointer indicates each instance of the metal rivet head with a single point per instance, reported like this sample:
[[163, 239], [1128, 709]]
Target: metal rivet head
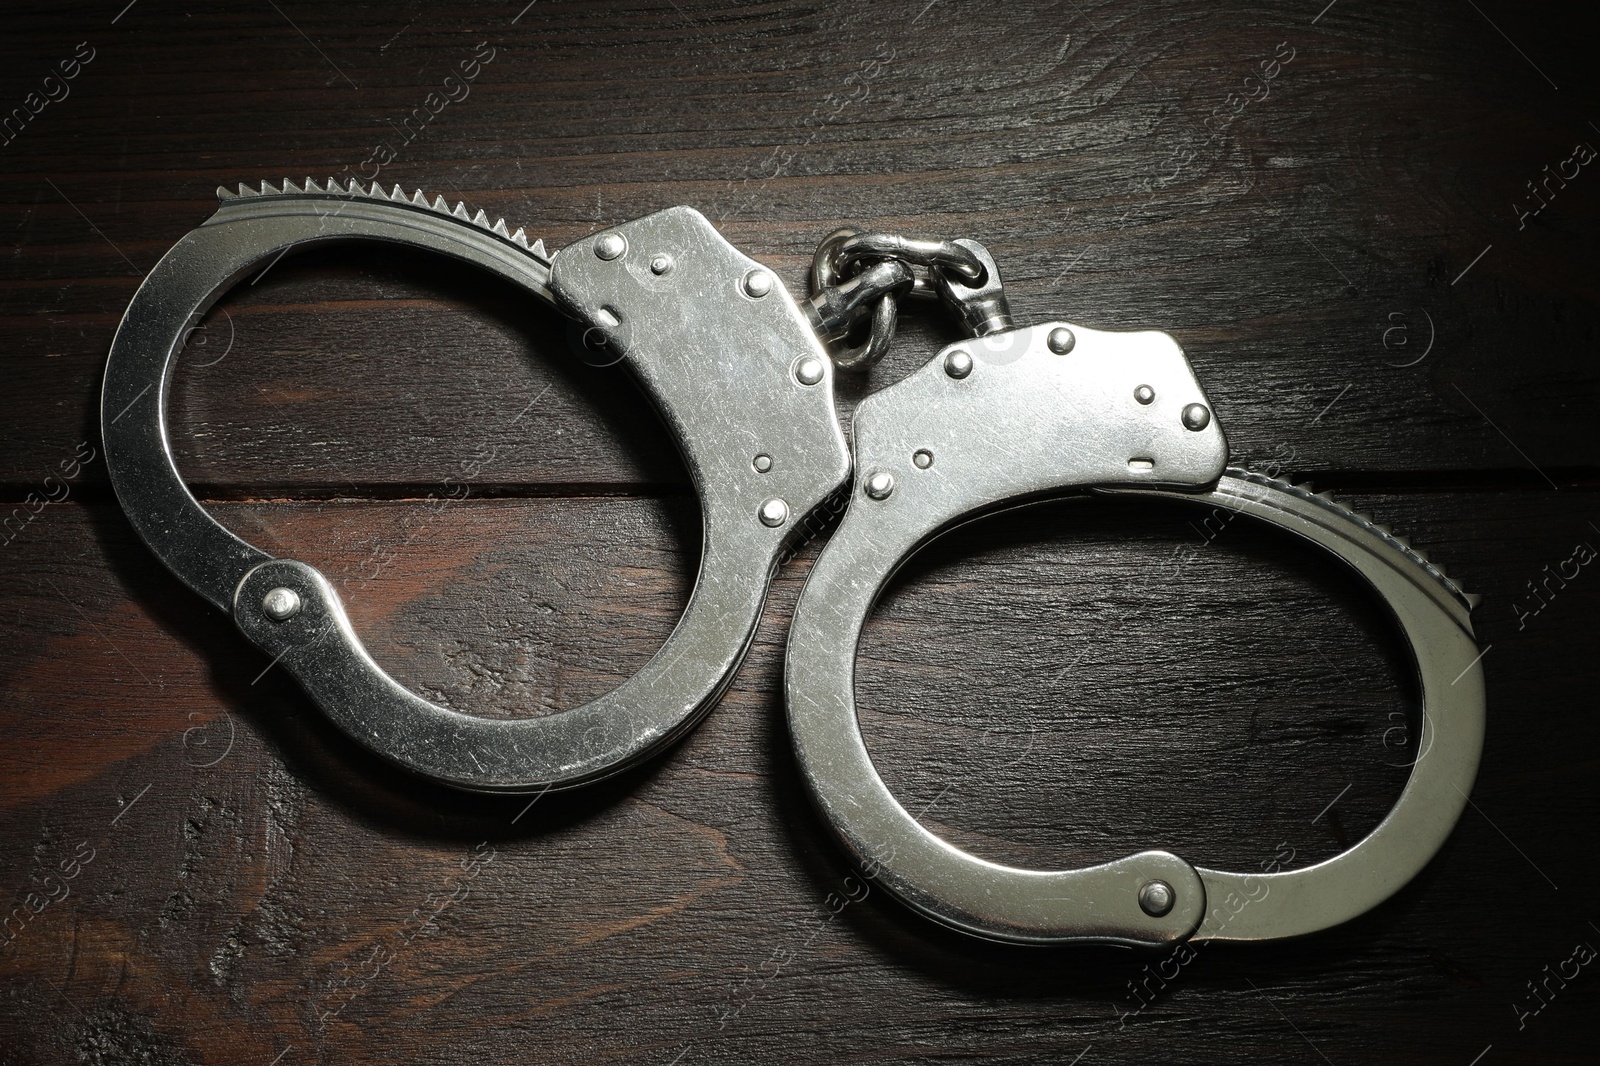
[[611, 245], [659, 264], [757, 284], [762, 463], [922, 458], [1196, 417], [281, 604], [774, 512], [1156, 898], [1145, 394], [958, 364], [1061, 340], [808, 371], [880, 485]]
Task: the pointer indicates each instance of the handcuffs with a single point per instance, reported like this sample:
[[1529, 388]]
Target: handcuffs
[[742, 374]]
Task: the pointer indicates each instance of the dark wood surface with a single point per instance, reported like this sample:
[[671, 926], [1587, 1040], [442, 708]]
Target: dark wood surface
[[262, 891]]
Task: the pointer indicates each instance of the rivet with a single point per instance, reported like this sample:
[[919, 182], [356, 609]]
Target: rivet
[[1061, 340], [762, 463], [281, 604], [808, 371], [958, 364], [610, 245], [1196, 417], [1156, 898], [922, 458], [880, 484], [660, 264], [774, 512], [757, 284], [1145, 394]]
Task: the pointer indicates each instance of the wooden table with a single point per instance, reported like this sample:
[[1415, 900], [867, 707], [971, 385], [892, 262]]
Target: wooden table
[[1349, 253]]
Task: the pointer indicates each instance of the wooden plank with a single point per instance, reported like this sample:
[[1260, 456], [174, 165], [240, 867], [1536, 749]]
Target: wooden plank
[[1302, 255], [1030, 685]]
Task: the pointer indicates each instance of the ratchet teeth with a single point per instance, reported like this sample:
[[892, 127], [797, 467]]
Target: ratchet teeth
[[1326, 499], [336, 188]]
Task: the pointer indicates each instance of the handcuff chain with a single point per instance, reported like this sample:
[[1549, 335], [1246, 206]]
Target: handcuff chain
[[856, 275]]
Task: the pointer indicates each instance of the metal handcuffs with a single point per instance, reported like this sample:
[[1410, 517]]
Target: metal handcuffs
[[740, 373], [735, 369], [1013, 416]]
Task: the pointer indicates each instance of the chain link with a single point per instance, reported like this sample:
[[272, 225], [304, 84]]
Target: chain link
[[855, 275]]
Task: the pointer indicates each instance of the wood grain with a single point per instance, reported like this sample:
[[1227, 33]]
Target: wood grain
[[263, 890], [1277, 254], [1220, 729]]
